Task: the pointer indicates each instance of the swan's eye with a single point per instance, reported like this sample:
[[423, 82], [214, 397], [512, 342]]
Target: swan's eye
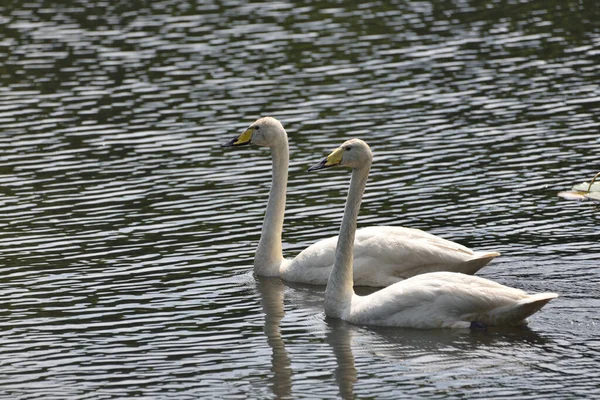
[[348, 148], [257, 127]]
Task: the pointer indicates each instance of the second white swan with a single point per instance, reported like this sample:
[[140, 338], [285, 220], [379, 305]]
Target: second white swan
[[432, 300], [398, 253]]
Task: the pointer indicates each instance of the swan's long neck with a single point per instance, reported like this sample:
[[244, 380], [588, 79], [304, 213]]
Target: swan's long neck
[[339, 292], [269, 256]]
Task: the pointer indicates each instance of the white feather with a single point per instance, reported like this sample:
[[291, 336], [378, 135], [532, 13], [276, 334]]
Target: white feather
[[384, 255]]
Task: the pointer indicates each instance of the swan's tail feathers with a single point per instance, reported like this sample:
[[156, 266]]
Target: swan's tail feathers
[[479, 260], [527, 307]]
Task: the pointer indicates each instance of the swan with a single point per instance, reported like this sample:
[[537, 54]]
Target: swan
[[399, 253], [431, 300]]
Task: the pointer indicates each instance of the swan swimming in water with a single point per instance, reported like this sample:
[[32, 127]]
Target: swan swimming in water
[[383, 255], [431, 300]]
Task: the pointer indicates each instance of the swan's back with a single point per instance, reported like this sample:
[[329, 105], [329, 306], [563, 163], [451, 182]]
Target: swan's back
[[446, 300], [420, 252], [384, 255]]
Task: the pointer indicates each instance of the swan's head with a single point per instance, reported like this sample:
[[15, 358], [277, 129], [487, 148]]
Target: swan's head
[[266, 131], [354, 153]]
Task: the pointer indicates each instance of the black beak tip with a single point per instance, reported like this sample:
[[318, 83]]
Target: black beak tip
[[229, 143], [318, 166]]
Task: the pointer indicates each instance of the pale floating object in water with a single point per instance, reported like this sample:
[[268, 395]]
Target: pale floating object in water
[[573, 195], [583, 191]]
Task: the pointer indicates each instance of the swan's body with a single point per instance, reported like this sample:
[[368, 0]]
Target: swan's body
[[431, 300], [384, 255], [396, 253], [444, 300]]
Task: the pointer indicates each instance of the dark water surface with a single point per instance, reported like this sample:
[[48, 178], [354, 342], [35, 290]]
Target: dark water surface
[[127, 234]]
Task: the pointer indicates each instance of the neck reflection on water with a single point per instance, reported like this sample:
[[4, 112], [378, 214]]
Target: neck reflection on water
[[271, 291]]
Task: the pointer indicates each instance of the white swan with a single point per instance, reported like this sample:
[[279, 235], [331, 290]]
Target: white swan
[[432, 300], [398, 253]]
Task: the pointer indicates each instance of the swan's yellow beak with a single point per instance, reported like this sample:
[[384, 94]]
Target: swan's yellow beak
[[335, 158], [242, 139]]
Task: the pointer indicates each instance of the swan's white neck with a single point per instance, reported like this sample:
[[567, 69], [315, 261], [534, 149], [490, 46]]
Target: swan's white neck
[[339, 292], [269, 256]]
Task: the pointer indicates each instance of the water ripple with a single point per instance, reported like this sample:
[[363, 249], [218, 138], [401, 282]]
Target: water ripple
[[128, 232]]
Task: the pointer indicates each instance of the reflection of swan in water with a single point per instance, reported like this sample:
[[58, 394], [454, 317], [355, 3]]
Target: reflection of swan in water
[[406, 343], [382, 254], [338, 337], [271, 295], [271, 292], [422, 352]]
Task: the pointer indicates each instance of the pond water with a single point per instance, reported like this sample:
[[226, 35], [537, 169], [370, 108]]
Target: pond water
[[127, 233]]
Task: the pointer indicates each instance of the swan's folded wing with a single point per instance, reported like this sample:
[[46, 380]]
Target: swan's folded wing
[[407, 252], [441, 299], [389, 245], [384, 255], [318, 255]]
